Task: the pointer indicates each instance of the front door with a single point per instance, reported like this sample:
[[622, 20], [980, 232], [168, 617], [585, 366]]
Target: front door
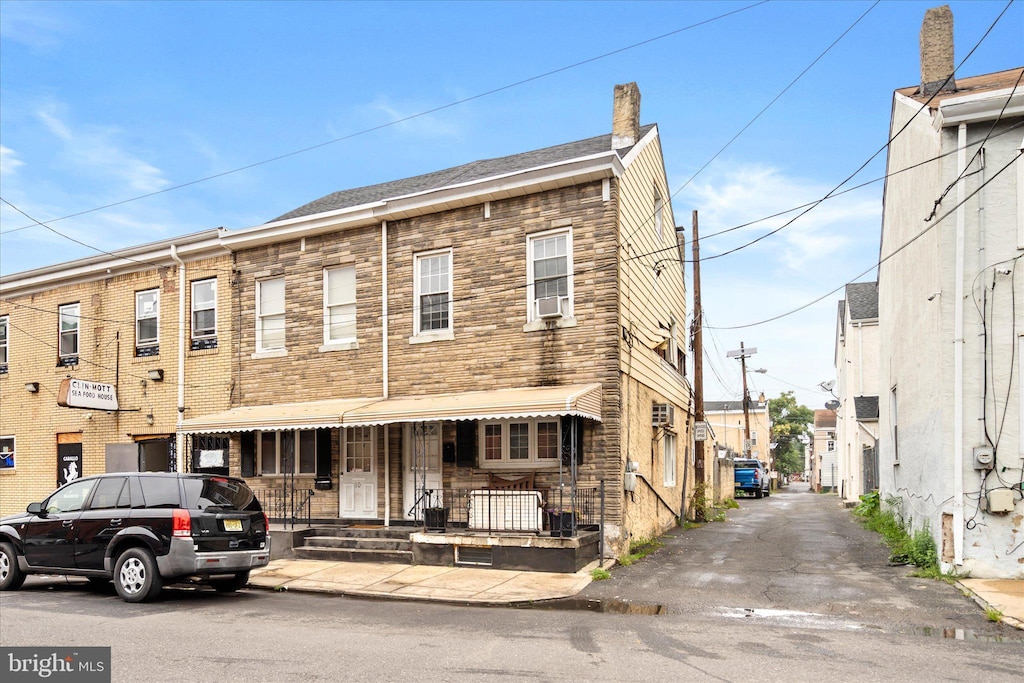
[[421, 483], [358, 487]]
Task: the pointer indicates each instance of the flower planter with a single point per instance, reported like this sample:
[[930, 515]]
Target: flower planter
[[435, 519]]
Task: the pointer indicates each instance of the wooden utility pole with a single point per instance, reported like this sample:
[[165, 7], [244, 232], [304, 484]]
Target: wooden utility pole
[[697, 349], [743, 354]]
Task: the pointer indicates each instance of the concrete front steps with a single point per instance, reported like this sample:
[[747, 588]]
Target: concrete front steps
[[351, 544]]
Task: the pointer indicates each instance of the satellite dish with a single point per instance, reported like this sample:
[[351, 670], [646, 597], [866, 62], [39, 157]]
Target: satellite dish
[[827, 386], [832, 405]]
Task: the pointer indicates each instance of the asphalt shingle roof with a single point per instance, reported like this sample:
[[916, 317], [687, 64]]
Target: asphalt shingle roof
[[866, 407], [473, 171], [862, 299]]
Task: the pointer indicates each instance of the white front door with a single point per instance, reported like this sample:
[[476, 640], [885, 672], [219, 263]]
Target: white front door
[[422, 469], [358, 488]]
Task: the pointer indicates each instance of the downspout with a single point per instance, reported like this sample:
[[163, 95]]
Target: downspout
[[384, 365], [860, 359], [179, 438], [958, 354]]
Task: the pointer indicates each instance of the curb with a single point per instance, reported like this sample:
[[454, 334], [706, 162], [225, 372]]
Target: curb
[[985, 605]]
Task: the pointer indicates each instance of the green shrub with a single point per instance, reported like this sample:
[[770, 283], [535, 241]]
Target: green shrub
[[730, 504], [918, 549], [600, 574]]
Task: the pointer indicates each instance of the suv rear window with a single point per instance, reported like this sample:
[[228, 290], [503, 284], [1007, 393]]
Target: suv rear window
[[747, 463], [160, 492], [220, 492]]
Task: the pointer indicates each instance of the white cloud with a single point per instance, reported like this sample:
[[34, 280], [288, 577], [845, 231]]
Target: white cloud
[[384, 110], [33, 24], [95, 152], [9, 161]]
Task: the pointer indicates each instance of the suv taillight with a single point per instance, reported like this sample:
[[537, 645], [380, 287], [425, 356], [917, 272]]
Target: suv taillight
[[182, 523], [266, 522]]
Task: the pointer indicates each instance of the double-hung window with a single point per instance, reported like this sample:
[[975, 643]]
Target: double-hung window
[[433, 293], [204, 314], [270, 315], [670, 459], [288, 451], [340, 305], [3, 343], [527, 442], [6, 452], [70, 320], [549, 275], [147, 322]]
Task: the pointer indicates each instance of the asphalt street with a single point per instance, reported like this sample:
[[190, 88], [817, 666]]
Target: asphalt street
[[788, 588]]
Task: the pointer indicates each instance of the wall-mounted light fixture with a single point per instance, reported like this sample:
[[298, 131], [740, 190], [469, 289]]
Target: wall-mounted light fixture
[[149, 419], [156, 375], [32, 387]]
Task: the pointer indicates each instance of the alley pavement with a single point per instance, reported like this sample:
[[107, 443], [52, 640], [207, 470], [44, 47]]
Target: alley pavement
[[835, 571]]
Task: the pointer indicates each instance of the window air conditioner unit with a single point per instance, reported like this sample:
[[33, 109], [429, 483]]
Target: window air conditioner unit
[[662, 415], [549, 307]]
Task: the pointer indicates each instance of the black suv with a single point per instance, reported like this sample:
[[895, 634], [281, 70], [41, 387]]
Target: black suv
[[140, 530]]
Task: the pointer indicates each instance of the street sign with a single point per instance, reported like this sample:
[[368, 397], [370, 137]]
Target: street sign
[[746, 445], [700, 431]]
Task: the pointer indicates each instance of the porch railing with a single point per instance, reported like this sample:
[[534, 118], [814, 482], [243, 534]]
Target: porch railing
[[287, 506], [516, 511]]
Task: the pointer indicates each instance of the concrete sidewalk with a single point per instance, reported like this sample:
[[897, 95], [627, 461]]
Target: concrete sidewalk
[[1003, 595], [463, 585]]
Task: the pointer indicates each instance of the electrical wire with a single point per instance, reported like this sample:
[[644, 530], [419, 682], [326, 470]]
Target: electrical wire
[[405, 119], [880, 261]]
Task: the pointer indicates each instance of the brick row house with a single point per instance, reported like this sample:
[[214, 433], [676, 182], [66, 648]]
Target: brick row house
[[511, 325]]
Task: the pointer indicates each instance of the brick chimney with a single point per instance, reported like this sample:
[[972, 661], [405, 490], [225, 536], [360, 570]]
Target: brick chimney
[[937, 51], [626, 116]]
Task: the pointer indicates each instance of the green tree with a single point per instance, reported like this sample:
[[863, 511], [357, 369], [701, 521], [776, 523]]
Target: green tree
[[791, 427]]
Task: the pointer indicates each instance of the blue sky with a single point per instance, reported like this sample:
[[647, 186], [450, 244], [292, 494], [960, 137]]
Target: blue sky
[[103, 102]]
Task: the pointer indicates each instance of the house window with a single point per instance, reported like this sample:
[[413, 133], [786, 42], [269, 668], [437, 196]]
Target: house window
[[895, 427], [287, 452], [753, 437], [270, 315], [69, 315], [359, 449], [670, 459], [659, 206], [340, 305], [204, 314], [6, 452], [3, 344], [830, 445], [513, 443], [147, 322], [433, 304], [549, 275]]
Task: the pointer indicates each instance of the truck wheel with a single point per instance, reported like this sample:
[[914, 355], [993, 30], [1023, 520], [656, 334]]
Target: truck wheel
[[136, 577], [758, 493], [11, 576], [231, 585]]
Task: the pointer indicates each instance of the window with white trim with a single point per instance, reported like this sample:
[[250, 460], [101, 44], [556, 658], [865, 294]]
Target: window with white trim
[[830, 445], [6, 452], [549, 276], [753, 437], [204, 314], [433, 293], [670, 459], [147, 322], [70, 320], [270, 314], [340, 305], [359, 451], [512, 443], [3, 344], [286, 452]]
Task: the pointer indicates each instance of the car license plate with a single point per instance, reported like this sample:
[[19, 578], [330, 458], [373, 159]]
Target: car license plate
[[232, 525]]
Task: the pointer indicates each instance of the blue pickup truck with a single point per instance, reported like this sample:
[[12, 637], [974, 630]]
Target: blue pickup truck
[[751, 477]]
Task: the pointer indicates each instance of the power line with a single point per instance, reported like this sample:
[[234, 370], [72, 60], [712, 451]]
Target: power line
[[404, 119], [881, 260]]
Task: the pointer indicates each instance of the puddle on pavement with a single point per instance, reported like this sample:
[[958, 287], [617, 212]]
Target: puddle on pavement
[[965, 634], [608, 606]]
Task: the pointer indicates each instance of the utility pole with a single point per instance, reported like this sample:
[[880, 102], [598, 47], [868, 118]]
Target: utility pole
[[697, 349], [743, 354]]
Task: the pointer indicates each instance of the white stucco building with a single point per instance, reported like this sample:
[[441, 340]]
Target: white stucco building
[[856, 360], [951, 310]]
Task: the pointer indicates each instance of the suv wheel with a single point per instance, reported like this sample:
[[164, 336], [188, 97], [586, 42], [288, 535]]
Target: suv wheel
[[136, 577], [11, 576], [231, 585]]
